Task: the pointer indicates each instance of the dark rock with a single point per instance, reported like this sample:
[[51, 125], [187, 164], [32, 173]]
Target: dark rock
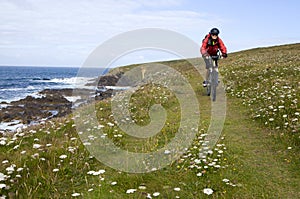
[[104, 94], [109, 79], [33, 109]]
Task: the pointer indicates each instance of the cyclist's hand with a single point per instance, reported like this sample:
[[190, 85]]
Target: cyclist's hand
[[224, 55]]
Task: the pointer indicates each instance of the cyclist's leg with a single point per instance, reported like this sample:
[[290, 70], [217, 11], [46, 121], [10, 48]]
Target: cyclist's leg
[[208, 64]]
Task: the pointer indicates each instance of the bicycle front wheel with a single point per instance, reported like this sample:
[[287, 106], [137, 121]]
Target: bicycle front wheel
[[208, 89], [214, 92], [214, 84]]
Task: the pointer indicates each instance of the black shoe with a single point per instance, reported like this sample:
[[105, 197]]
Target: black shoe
[[204, 84]]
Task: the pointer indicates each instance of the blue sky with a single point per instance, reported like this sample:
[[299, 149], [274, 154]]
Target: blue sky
[[65, 32]]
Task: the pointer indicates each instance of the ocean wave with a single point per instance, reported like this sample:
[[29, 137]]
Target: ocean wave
[[19, 89], [11, 89], [77, 82]]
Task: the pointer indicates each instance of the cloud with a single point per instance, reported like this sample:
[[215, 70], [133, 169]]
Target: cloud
[[66, 31]]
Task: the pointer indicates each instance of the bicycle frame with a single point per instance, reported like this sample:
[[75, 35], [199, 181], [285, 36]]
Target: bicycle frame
[[213, 75]]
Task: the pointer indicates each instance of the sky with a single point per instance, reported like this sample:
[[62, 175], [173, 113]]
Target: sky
[[65, 32]]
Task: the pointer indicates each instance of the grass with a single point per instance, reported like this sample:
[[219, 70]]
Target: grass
[[267, 80], [253, 159]]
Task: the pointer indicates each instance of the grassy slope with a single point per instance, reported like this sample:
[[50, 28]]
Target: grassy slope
[[256, 157]]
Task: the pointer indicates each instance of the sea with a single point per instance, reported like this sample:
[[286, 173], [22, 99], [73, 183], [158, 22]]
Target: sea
[[19, 82]]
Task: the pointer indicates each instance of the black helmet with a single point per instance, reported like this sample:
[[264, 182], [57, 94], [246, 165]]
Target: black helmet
[[214, 31]]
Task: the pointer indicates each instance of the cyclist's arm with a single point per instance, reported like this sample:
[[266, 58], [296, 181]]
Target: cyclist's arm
[[222, 46], [203, 49]]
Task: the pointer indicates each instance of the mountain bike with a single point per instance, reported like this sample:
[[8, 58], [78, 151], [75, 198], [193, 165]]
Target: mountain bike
[[213, 75]]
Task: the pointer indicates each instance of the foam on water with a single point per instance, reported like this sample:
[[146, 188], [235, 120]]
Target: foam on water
[[73, 82], [11, 126], [72, 98]]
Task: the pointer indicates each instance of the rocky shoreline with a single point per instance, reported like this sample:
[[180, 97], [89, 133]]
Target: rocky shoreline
[[51, 103]]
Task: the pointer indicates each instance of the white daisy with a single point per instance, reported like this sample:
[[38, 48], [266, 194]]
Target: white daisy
[[131, 191], [208, 191]]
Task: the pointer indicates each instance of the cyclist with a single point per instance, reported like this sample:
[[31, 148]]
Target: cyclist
[[211, 45]]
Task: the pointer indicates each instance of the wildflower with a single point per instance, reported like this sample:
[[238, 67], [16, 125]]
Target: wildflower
[[177, 189], [167, 152], [63, 156], [210, 152], [2, 177], [19, 130], [55, 170], [95, 173], [75, 194], [71, 149], [142, 187], [208, 191], [156, 194], [32, 131], [90, 190], [23, 152], [113, 183], [19, 169], [289, 148], [130, 191], [225, 180], [271, 119], [148, 196], [35, 155], [36, 146], [2, 186], [101, 171], [10, 169], [110, 124]]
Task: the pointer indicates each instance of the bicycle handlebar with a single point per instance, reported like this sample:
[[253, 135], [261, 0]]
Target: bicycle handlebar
[[216, 57]]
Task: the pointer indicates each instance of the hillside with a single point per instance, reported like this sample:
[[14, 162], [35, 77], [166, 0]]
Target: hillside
[[257, 155]]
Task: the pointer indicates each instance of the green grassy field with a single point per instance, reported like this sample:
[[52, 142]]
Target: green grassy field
[[257, 155]]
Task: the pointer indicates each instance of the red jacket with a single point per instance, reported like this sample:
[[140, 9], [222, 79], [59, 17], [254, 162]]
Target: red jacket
[[210, 46]]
